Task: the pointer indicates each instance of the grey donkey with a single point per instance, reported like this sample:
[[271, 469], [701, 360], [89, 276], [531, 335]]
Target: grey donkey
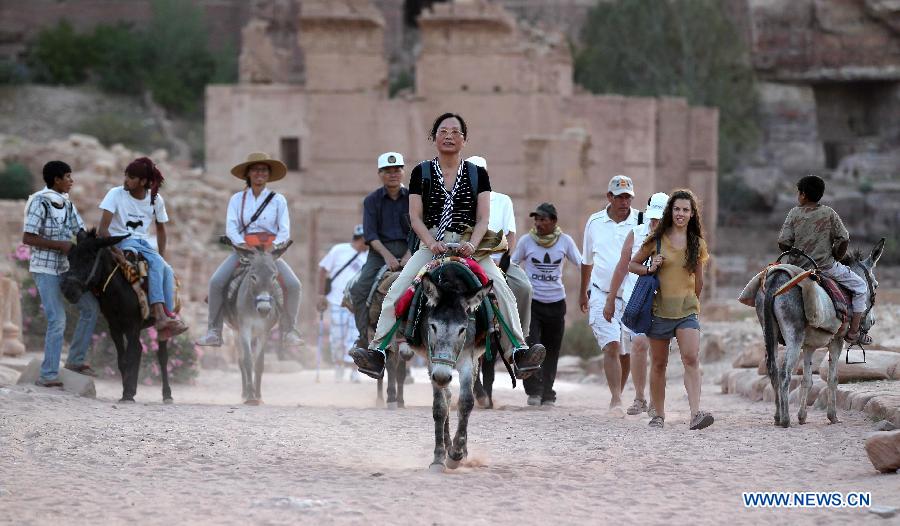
[[784, 314], [253, 311], [448, 331]]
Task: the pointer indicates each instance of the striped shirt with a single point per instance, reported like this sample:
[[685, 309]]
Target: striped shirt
[[464, 201], [50, 215]]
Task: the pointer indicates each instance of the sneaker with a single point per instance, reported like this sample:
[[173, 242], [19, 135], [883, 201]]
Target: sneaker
[[528, 360], [657, 421], [83, 368], [534, 400], [43, 382], [637, 407], [171, 326], [370, 362], [292, 338], [701, 420], [212, 339]]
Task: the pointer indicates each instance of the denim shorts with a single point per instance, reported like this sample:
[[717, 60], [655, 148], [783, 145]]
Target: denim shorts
[[664, 328]]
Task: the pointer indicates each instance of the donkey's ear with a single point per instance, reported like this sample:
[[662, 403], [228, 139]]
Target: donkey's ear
[[111, 240], [473, 301], [432, 293], [280, 250], [877, 252]]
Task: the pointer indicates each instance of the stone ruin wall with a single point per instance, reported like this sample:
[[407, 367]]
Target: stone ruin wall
[[543, 140]]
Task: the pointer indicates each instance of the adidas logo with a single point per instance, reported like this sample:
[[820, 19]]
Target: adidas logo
[[546, 265]]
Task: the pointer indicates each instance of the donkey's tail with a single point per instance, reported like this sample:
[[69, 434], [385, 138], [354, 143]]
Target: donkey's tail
[[770, 325]]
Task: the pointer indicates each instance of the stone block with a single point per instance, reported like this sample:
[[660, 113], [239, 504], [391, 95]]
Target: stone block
[[712, 350], [73, 382], [880, 365], [8, 376], [883, 449], [750, 357]]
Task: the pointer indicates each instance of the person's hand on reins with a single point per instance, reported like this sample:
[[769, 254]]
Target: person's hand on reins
[[438, 248]]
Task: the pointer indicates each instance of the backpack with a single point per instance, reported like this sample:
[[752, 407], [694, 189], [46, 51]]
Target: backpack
[[412, 239], [638, 313]]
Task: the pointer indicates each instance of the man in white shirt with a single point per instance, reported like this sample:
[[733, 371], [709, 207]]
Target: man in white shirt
[[542, 253], [604, 235], [503, 219], [640, 345], [130, 209], [337, 269]]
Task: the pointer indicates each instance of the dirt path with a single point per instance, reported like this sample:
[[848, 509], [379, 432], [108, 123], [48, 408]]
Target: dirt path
[[320, 453]]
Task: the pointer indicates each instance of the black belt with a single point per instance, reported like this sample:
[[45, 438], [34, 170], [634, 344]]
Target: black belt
[[603, 291]]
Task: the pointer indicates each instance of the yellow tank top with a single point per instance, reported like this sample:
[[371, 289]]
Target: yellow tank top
[[676, 298]]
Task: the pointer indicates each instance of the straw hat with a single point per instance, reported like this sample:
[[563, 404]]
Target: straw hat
[[278, 169]]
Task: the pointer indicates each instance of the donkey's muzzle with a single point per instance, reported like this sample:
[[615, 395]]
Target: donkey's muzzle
[[441, 375], [264, 304]]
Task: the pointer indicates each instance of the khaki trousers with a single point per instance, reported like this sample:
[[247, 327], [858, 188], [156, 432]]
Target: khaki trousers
[[505, 298]]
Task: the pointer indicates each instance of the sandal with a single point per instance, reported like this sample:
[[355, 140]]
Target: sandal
[[701, 420], [637, 407], [858, 339], [657, 422]]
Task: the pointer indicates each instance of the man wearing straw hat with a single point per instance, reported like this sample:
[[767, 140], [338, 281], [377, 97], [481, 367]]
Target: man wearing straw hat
[[256, 217]]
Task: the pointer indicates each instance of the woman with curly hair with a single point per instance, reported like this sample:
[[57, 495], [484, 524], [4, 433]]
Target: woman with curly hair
[[676, 307]]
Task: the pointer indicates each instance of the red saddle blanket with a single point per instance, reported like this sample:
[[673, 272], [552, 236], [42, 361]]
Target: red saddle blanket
[[838, 294]]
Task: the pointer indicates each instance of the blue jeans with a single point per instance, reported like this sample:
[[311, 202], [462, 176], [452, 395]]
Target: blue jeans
[[55, 309], [160, 276]]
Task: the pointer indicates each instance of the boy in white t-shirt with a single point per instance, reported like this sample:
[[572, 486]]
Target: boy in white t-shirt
[[129, 210], [342, 263]]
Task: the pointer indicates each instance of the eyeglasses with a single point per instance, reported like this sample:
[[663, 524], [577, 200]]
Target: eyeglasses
[[444, 132]]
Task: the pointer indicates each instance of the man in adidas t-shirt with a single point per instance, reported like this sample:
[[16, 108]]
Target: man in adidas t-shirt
[[542, 254]]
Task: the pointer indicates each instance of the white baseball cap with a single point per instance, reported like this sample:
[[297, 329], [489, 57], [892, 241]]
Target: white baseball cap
[[389, 159], [359, 231], [621, 184], [657, 205], [480, 162]]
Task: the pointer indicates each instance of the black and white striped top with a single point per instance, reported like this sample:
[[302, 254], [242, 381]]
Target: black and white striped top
[[464, 204]]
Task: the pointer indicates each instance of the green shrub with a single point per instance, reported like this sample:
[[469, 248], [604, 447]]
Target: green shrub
[[682, 48], [15, 182], [12, 72], [579, 340], [119, 58], [60, 56], [112, 128]]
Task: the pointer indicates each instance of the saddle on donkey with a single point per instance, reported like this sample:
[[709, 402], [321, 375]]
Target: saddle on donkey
[[410, 307], [135, 269], [825, 303]]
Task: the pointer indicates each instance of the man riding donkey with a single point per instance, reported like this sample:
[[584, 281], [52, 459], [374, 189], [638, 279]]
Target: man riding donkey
[[257, 218], [129, 210], [446, 207]]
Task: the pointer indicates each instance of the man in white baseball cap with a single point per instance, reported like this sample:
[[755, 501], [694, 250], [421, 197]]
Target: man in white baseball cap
[[604, 236], [385, 231], [640, 345]]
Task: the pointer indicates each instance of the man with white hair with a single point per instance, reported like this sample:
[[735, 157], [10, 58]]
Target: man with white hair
[[604, 236], [640, 345]]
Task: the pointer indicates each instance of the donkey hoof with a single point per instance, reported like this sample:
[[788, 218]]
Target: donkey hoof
[[400, 404], [452, 463], [253, 402], [379, 403], [168, 401], [834, 420], [392, 405], [436, 467], [126, 401]]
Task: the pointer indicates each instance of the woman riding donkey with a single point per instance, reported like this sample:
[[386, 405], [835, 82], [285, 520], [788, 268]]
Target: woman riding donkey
[[129, 210], [445, 208], [257, 218]]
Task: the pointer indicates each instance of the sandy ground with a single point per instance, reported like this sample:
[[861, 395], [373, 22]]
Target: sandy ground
[[321, 453]]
